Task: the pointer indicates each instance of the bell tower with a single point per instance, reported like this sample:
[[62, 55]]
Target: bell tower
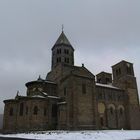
[[124, 77], [62, 51]]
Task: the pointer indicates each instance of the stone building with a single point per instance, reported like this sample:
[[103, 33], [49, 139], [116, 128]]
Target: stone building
[[73, 98]]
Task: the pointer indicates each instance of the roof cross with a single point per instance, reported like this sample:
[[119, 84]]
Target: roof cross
[[62, 27]]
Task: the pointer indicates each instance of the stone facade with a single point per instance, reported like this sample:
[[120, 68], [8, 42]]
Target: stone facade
[[72, 98]]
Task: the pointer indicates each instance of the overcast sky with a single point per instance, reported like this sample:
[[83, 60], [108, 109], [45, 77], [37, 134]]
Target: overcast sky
[[103, 32]]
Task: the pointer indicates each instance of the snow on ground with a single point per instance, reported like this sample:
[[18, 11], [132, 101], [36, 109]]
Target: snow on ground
[[79, 135]]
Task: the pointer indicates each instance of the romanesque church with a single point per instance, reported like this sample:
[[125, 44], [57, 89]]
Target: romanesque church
[[73, 98]]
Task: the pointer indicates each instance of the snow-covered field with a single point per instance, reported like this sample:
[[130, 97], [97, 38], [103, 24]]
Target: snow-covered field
[[80, 135]]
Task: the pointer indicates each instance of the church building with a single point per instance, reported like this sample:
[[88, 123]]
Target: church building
[[73, 98]]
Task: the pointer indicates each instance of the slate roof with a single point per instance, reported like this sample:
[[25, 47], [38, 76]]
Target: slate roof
[[62, 40]]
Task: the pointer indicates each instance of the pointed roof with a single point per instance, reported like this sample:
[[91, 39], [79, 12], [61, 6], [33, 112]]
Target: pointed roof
[[62, 39]]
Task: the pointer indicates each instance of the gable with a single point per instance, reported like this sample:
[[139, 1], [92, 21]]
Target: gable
[[82, 71]]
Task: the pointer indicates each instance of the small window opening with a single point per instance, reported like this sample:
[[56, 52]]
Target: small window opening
[[58, 51]]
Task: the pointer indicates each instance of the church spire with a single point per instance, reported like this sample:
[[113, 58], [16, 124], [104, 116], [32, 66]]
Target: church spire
[[62, 39], [62, 51]]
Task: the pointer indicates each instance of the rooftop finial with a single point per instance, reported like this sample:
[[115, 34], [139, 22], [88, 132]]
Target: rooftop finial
[[62, 27], [17, 94], [39, 78]]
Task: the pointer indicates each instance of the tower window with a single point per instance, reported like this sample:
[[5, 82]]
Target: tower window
[[21, 109], [118, 72], [35, 110], [58, 51], [66, 60], [58, 59], [66, 51], [129, 71], [11, 111]]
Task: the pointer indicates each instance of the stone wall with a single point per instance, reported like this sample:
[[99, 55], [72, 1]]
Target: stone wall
[[80, 104], [134, 117], [29, 119], [112, 108]]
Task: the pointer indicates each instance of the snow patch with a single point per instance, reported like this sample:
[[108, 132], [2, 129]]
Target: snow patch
[[80, 135], [105, 85]]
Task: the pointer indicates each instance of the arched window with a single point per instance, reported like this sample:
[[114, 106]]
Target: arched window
[[11, 111], [35, 110], [111, 110], [58, 51], [58, 59], [121, 111], [26, 110], [66, 60]]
